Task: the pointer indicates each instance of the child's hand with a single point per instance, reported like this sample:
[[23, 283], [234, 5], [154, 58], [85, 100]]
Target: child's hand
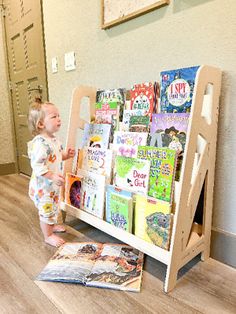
[[69, 154], [58, 179]]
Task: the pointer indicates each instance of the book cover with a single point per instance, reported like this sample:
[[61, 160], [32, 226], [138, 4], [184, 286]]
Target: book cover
[[92, 192], [113, 95], [73, 189], [142, 97], [139, 123], [153, 221], [170, 130], [132, 174], [108, 265], [177, 88], [126, 143], [162, 171], [126, 117], [97, 160], [119, 208], [96, 135]]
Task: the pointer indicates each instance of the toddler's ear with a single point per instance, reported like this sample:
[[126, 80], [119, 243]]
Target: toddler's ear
[[40, 124]]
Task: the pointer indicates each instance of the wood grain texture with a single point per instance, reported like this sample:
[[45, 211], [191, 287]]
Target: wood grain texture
[[207, 287]]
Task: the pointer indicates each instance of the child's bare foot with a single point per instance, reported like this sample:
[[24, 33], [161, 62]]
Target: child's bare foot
[[58, 228], [54, 240]]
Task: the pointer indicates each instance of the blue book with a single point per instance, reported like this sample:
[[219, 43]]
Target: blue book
[[177, 88]]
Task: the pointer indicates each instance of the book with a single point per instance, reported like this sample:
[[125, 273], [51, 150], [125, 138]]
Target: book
[[142, 97], [139, 123], [126, 143], [119, 207], [108, 265], [170, 130], [177, 88], [106, 112], [92, 192], [113, 95], [153, 221], [73, 189], [126, 117], [132, 174], [96, 135], [162, 171], [97, 160]]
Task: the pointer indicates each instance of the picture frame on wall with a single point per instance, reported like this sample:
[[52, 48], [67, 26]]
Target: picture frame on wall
[[114, 12]]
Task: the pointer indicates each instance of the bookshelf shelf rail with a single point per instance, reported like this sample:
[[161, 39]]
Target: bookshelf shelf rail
[[188, 239]]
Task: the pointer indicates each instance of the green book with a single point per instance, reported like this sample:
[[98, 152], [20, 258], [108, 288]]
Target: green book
[[162, 171]]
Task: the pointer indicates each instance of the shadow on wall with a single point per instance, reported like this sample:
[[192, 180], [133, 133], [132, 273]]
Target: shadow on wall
[[181, 5]]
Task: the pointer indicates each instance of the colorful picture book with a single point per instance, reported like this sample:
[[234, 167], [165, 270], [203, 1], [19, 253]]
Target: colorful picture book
[[107, 113], [132, 174], [92, 192], [96, 135], [108, 265], [177, 88], [129, 113], [119, 207], [170, 130], [162, 171], [126, 143], [153, 221], [142, 97], [97, 160], [113, 95], [73, 190], [139, 123]]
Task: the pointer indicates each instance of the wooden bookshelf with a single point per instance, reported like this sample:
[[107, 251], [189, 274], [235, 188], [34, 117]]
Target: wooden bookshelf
[[188, 239]]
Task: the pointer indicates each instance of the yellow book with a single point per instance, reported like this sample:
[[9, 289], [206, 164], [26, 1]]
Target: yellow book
[[153, 221]]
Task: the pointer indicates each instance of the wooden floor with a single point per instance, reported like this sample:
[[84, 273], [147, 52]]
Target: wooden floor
[[208, 287]]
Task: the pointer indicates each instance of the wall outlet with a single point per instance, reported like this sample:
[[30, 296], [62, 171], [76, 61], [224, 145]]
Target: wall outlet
[[70, 63]]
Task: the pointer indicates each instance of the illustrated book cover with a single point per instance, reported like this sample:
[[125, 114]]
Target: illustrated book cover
[[96, 135], [132, 174], [142, 97], [170, 130], [92, 192], [113, 95], [73, 189], [177, 88], [97, 160], [108, 113], [119, 207], [153, 221], [108, 265], [162, 171], [129, 113], [139, 124], [126, 143]]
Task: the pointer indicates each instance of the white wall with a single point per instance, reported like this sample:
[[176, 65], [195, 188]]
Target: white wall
[[181, 34], [6, 132]]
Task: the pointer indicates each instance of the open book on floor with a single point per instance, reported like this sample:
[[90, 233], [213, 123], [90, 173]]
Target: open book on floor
[[115, 266]]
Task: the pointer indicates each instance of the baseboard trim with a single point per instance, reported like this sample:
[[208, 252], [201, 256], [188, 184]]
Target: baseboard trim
[[9, 168], [223, 247]]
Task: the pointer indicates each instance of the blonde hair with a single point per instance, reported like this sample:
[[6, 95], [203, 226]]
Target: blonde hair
[[36, 114]]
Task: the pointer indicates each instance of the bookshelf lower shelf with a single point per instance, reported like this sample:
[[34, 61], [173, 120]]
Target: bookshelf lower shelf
[[124, 236]]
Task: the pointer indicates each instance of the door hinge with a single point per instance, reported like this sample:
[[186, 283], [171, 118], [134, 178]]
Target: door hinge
[[10, 85], [3, 9]]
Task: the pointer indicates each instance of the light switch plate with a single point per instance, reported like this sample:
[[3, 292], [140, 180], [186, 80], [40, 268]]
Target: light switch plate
[[54, 65], [70, 63]]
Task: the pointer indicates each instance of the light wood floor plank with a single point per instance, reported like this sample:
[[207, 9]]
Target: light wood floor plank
[[207, 287]]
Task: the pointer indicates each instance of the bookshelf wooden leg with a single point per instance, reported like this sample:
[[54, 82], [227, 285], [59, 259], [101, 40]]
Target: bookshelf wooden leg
[[171, 278]]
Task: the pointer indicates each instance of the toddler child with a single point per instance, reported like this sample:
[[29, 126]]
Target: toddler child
[[46, 155]]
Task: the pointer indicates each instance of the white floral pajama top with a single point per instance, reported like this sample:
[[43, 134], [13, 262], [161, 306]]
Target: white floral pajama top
[[45, 155]]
